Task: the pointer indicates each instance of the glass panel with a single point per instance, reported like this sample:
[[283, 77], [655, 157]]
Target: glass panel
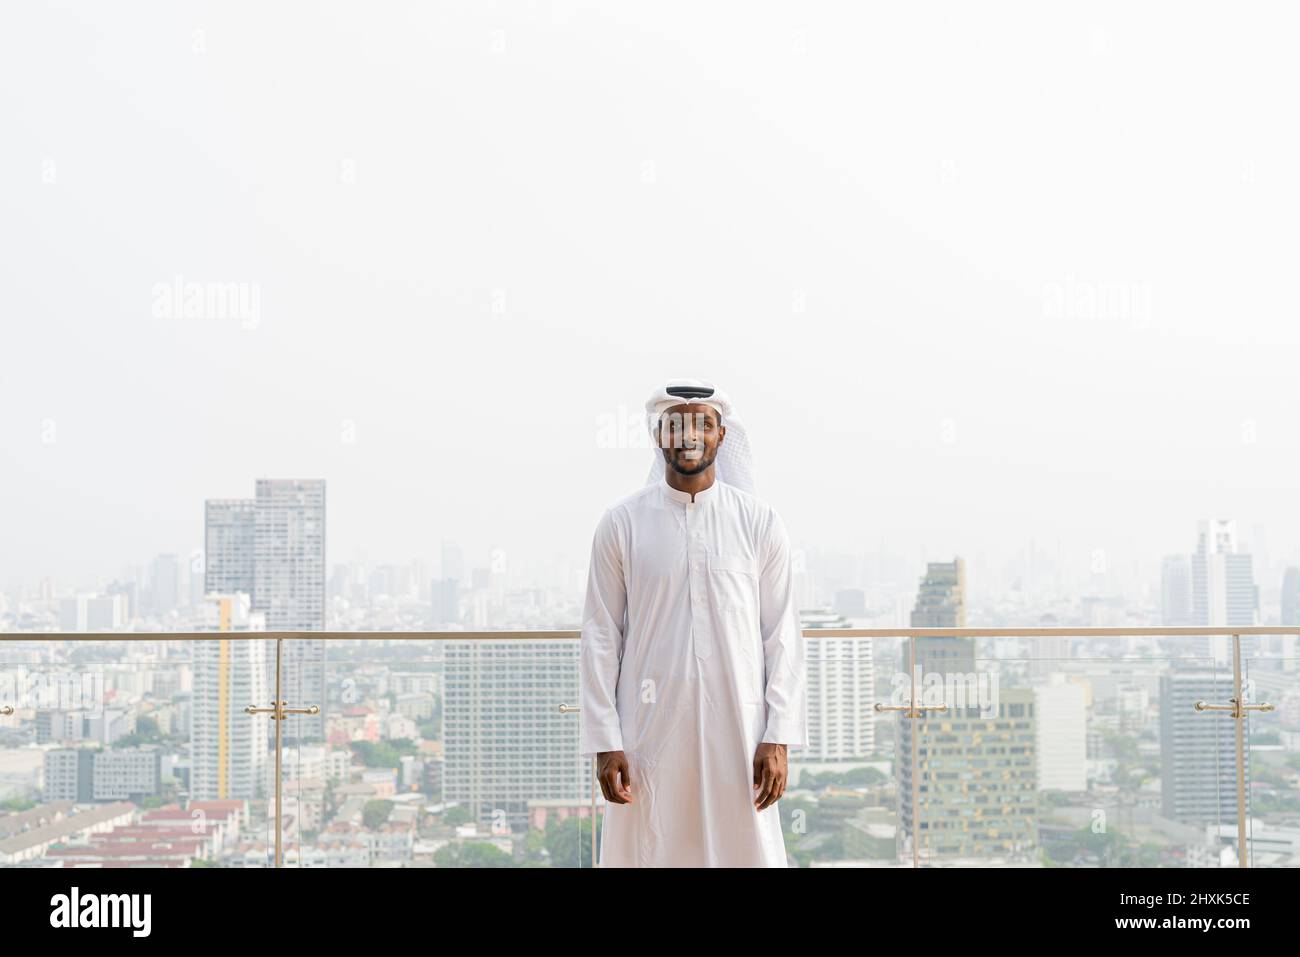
[[454, 754], [1076, 751], [842, 805], [93, 767], [229, 752], [1271, 675]]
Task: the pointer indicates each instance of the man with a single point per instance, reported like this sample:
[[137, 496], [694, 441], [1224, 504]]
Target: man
[[693, 673]]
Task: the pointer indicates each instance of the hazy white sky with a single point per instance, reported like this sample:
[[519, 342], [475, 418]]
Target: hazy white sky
[[973, 273]]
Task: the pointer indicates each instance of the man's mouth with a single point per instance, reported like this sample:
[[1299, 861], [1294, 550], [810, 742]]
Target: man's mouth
[[690, 455]]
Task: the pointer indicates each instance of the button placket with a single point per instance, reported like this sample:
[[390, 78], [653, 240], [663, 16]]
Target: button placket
[[700, 628]]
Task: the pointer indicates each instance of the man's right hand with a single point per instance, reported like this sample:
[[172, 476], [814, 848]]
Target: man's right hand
[[614, 776]]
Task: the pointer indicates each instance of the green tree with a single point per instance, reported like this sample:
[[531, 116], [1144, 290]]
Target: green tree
[[471, 854], [454, 816], [377, 754], [375, 813], [568, 842], [534, 849]]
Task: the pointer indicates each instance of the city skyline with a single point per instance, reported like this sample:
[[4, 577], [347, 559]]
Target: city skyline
[[1208, 584]]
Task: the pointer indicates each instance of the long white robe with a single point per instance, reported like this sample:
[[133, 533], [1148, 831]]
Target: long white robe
[[692, 654]]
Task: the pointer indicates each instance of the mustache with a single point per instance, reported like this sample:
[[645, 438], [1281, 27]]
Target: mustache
[[688, 468]]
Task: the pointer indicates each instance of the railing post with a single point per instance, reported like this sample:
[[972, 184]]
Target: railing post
[[1240, 727], [565, 709], [278, 711], [1238, 708]]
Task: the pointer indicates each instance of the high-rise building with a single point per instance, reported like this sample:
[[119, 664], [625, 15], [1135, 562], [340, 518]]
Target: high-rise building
[[841, 693], [1291, 596], [1198, 762], [505, 742], [1049, 654], [289, 586], [976, 761], [941, 603], [228, 555], [93, 613], [977, 780], [272, 548], [228, 748], [1176, 590], [289, 553], [1285, 649], [1061, 710], [444, 594], [1223, 583]]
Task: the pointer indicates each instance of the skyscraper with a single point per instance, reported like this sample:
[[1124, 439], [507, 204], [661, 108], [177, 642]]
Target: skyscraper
[[505, 741], [228, 749], [1176, 590], [941, 603], [444, 594], [289, 553], [272, 548], [228, 527], [976, 765], [841, 693], [1061, 713], [977, 778], [1223, 583], [1198, 762], [1291, 596], [289, 587]]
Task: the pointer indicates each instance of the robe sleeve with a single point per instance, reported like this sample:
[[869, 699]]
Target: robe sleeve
[[783, 642], [601, 643]]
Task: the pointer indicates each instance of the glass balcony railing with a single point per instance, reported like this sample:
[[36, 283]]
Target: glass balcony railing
[[1089, 747], [1077, 751]]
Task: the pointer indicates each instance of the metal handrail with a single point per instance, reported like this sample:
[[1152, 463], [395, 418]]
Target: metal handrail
[[1143, 631]]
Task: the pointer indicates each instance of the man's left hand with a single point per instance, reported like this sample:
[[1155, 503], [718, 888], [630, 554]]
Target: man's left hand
[[771, 771]]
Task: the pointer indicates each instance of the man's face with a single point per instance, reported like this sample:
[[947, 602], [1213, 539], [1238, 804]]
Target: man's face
[[690, 435]]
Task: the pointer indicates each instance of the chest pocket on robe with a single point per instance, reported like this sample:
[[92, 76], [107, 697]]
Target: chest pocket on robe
[[734, 582]]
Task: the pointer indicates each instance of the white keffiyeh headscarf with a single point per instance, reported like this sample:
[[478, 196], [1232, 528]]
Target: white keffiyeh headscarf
[[735, 463]]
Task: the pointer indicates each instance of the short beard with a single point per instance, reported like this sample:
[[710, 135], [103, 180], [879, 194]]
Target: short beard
[[680, 469]]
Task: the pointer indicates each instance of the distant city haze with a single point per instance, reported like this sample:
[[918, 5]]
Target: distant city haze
[[429, 254]]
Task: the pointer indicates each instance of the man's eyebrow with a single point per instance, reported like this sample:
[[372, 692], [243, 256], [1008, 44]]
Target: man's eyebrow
[[677, 418]]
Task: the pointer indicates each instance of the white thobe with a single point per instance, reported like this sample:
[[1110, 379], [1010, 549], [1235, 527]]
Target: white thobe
[[692, 654]]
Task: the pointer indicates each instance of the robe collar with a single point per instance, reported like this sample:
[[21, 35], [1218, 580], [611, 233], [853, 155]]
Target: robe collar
[[684, 498]]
